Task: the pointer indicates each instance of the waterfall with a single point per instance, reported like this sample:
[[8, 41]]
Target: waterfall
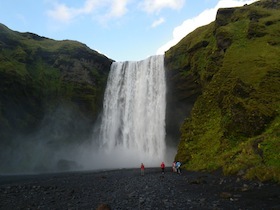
[[133, 121]]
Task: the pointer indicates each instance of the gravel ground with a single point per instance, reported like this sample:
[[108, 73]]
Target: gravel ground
[[127, 189]]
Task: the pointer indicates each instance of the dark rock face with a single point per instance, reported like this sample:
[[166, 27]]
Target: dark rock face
[[181, 95], [224, 16], [223, 41]]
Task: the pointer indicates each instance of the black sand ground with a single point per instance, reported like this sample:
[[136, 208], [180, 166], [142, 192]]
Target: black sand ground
[[126, 189]]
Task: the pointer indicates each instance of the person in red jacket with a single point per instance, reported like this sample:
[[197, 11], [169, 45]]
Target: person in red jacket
[[142, 167], [162, 165]]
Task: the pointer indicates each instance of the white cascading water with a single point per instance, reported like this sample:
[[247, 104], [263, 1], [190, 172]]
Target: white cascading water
[[133, 121]]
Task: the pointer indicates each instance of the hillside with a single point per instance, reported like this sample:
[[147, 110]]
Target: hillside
[[232, 67], [50, 91]]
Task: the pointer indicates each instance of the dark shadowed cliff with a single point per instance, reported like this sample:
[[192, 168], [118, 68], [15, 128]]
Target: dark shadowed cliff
[[50, 91], [230, 71]]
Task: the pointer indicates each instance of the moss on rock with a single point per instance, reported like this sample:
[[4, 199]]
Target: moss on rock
[[232, 124]]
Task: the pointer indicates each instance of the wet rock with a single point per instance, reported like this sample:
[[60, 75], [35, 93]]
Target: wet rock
[[225, 195], [245, 188]]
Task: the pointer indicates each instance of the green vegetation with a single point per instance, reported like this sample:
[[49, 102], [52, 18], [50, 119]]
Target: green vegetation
[[38, 75], [234, 123]]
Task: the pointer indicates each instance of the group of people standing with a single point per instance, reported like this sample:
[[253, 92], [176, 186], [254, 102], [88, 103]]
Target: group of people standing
[[176, 167]]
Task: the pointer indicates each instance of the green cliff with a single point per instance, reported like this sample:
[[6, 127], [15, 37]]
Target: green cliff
[[230, 71], [52, 89]]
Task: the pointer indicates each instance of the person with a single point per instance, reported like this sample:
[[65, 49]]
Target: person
[[162, 165], [174, 166], [142, 169], [178, 165]]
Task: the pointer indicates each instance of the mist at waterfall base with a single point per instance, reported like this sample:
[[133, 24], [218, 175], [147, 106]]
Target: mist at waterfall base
[[131, 129]]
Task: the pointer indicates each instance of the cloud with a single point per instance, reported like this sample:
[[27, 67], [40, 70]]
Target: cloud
[[113, 8], [61, 13], [151, 6], [118, 8], [204, 18], [108, 9], [158, 22]]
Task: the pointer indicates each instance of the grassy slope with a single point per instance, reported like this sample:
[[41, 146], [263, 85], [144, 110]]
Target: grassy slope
[[234, 124], [39, 74]]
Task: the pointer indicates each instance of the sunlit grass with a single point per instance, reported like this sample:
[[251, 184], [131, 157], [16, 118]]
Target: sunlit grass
[[234, 124]]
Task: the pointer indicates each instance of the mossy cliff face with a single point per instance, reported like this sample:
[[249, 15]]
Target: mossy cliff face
[[233, 67], [40, 76]]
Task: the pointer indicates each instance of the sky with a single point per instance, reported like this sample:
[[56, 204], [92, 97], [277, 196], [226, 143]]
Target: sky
[[123, 30]]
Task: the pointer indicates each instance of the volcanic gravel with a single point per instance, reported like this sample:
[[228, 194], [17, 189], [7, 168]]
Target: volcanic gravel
[[127, 189]]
